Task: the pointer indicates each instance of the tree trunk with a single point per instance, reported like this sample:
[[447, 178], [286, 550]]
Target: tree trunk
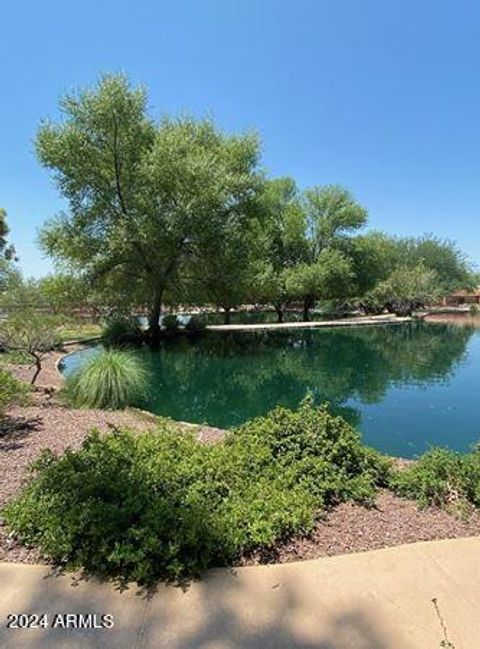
[[307, 303], [226, 315], [154, 318], [38, 368], [279, 311]]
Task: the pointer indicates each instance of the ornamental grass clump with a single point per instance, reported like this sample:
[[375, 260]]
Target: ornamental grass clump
[[112, 380], [160, 504]]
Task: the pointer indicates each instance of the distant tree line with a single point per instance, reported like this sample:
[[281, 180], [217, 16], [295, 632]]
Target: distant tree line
[[179, 212]]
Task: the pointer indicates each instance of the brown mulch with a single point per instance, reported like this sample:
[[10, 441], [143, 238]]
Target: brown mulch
[[354, 528]]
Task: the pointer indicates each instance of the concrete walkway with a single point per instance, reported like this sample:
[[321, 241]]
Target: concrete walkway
[[315, 324], [374, 600]]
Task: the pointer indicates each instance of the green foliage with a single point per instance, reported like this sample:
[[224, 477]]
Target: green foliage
[[406, 289], [170, 323], [328, 277], [63, 292], [373, 256], [121, 331], [12, 391], [195, 326], [441, 477], [162, 505], [145, 197], [111, 380], [8, 272], [32, 334], [283, 242], [313, 449], [452, 268], [20, 293], [332, 212]]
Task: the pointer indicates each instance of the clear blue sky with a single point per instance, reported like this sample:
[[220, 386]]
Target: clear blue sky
[[382, 96]]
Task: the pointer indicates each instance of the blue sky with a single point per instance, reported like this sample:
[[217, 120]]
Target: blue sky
[[381, 96]]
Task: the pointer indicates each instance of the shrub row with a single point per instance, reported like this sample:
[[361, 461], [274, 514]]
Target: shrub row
[[162, 505], [125, 331]]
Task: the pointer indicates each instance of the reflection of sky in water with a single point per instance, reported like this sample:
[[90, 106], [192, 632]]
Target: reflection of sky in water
[[406, 387]]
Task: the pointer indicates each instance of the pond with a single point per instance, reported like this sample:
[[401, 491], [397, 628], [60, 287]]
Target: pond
[[406, 387]]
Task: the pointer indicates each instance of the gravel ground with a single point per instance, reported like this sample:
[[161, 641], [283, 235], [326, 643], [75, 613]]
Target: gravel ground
[[30, 429], [353, 528]]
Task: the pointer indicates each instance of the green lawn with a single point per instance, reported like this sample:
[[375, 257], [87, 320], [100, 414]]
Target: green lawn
[[80, 331]]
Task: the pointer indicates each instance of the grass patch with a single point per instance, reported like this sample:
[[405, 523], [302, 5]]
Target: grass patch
[[79, 331], [15, 358]]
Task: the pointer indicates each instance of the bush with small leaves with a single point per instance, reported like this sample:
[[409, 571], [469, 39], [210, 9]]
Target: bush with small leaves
[[195, 326], [12, 391], [441, 477], [162, 505], [33, 335], [121, 332], [170, 323]]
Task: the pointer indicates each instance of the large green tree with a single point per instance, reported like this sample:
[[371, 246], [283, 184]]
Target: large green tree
[[226, 278], [332, 215], [329, 277], [407, 289], [452, 268], [283, 242], [144, 197]]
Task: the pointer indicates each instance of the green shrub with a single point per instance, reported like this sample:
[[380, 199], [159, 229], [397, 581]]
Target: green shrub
[[441, 477], [170, 323], [120, 332], [195, 326], [12, 391], [316, 450], [111, 380], [162, 505], [474, 310]]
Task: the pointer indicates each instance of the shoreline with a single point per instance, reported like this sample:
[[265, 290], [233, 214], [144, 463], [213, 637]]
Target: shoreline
[[357, 321]]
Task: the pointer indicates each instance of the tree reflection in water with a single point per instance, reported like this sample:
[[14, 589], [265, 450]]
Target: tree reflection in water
[[405, 386]]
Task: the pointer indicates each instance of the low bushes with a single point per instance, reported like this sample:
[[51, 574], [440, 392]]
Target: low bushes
[[195, 326], [441, 477], [112, 380], [11, 390], [160, 504], [120, 332], [170, 323]]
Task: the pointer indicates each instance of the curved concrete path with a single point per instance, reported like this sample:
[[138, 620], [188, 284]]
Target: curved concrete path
[[374, 600], [314, 324]]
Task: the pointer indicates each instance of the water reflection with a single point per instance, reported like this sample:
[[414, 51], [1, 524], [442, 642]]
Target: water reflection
[[226, 378]]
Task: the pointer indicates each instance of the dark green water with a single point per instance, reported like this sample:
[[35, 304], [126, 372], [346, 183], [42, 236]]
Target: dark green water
[[406, 387]]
